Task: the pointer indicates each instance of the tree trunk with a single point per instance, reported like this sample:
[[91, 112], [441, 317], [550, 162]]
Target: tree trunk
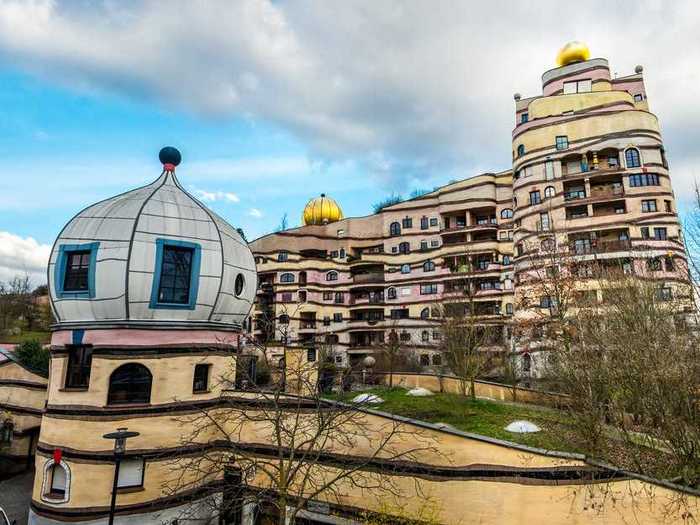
[[472, 385]]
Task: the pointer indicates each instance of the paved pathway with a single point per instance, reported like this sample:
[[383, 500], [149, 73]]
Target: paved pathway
[[15, 495]]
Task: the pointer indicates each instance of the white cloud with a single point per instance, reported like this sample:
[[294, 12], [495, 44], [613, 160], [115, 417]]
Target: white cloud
[[254, 212], [23, 256], [215, 196], [407, 89]]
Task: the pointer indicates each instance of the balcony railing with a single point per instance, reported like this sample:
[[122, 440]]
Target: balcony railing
[[600, 247], [307, 325], [607, 193]]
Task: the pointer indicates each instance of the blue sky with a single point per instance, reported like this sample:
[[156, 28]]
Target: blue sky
[[272, 103]]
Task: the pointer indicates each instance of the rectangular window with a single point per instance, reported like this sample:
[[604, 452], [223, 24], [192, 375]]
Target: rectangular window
[[334, 254], [424, 245], [282, 256], [562, 142], [327, 296], [311, 355], [77, 271], [524, 117], [428, 289], [175, 275], [433, 221], [337, 317], [535, 197], [509, 308], [664, 294], [644, 179], [286, 297], [645, 232], [407, 222], [578, 86], [200, 382], [326, 321], [79, 364], [660, 234], [638, 97], [667, 206], [434, 243], [649, 205], [399, 313], [130, 473], [424, 223], [544, 222], [437, 336], [549, 170], [339, 297], [570, 87]]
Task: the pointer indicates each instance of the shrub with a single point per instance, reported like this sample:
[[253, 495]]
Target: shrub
[[33, 355]]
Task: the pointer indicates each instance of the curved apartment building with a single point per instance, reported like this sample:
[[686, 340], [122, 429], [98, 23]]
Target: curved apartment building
[[589, 171]]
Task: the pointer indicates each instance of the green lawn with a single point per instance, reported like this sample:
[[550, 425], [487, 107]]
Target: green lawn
[[484, 417], [26, 335]]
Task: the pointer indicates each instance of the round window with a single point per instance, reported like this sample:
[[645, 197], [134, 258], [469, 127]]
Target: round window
[[239, 284]]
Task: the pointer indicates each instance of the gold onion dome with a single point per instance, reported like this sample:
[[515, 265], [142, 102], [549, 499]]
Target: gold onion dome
[[573, 52], [321, 210]]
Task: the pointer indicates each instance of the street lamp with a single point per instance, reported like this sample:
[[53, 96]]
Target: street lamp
[[119, 437]]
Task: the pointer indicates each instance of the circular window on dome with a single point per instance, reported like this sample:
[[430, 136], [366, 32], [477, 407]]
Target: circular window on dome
[[239, 285]]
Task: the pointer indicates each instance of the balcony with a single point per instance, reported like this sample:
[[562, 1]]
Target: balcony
[[368, 278], [307, 325], [607, 192]]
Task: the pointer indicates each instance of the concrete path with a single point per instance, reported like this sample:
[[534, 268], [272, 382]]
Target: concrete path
[[15, 495]]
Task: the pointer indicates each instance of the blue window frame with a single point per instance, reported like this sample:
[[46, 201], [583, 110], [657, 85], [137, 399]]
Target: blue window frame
[[176, 277], [74, 271]]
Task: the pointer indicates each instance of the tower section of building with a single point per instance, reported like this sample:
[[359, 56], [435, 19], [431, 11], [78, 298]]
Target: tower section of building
[[590, 177], [150, 290], [353, 281]]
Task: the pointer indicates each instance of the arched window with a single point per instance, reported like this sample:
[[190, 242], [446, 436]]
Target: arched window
[[428, 266], [391, 293], [425, 336], [130, 383], [287, 278], [332, 276], [394, 229], [55, 486], [425, 313], [521, 150], [549, 192], [405, 268], [527, 363], [506, 213], [632, 159], [283, 319], [404, 247]]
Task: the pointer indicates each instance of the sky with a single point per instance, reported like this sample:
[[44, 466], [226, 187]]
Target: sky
[[274, 102]]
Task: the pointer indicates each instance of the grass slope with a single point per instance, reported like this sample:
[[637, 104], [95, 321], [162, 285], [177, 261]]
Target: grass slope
[[481, 416]]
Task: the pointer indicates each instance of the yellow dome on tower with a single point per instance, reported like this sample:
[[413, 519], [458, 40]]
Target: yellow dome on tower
[[321, 210], [573, 52]]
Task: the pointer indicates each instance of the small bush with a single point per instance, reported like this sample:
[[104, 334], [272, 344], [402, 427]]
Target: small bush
[[33, 355]]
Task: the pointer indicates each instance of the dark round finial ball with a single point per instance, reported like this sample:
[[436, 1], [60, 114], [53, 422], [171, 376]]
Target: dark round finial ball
[[170, 155]]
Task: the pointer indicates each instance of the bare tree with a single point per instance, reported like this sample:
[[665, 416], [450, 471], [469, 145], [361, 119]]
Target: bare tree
[[462, 341], [286, 451], [392, 351], [15, 301]]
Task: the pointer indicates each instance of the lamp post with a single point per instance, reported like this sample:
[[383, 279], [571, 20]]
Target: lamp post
[[119, 437]]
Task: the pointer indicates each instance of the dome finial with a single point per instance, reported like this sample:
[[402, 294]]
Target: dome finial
[[574, 51], [169, 157]]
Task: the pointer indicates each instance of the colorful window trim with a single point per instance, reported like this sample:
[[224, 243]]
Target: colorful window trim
[[64, 251], [194, 274]]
